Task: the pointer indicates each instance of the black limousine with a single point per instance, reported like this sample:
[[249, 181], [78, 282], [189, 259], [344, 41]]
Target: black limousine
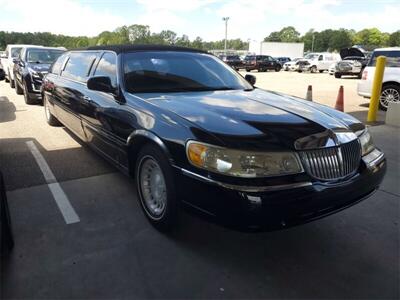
[[193, 132]]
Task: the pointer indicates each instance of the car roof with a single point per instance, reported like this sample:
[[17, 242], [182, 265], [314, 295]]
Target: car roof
[[40, 47], [22, 45], [388, 49], [133, 48]]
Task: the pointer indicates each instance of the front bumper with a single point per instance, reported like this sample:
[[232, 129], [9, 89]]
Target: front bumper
[[278, 206]]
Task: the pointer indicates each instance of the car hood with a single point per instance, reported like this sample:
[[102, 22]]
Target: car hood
[[345, 52], [253, 119], [39, 67]]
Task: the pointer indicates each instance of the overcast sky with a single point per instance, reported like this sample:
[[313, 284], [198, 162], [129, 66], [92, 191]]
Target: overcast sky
[[249, 19]]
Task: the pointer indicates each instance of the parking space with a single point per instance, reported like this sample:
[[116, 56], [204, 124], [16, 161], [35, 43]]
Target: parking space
[[113, 252]]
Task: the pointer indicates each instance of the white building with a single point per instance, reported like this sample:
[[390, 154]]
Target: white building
[[277, 49]]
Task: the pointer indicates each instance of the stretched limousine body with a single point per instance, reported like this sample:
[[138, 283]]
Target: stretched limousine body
[[193, 132]]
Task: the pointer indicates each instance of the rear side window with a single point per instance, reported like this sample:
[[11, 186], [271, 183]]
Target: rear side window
[[392, 58], [108, 67], [56, 67], [78, 65]]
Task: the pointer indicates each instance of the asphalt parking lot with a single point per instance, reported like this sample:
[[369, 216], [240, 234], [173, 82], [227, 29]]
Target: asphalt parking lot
[[111, 251]]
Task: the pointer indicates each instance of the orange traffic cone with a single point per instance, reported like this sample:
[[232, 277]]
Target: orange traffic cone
[[340, 100], [309, 93]]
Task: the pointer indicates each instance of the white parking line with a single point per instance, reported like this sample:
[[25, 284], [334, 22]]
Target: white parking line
[[68, 212]]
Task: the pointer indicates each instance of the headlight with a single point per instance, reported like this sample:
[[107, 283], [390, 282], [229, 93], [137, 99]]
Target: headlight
[[242, 163], [367, 145], [33, 73], [357, 64]]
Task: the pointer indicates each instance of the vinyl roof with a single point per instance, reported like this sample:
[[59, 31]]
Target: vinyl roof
[[133, 48]]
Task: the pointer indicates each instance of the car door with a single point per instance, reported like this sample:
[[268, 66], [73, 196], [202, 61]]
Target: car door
[[69, 92], [105, 120]]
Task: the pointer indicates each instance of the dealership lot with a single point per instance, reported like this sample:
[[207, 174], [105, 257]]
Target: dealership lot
[[113, 252]]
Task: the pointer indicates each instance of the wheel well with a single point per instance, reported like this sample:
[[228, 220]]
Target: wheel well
[[391, 83], [134, 149]]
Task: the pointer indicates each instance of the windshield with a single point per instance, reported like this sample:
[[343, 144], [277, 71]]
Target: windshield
[[171, 71], [311, 56], [43, 56], [15, 52]]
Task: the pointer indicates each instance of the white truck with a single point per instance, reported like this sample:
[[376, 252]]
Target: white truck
[[391, 77], [11, 53], [321, 61]]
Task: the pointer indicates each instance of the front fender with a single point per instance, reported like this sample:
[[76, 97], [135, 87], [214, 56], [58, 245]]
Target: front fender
[[136, 139]]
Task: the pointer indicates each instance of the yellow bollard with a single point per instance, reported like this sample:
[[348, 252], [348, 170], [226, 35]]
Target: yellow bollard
[[376, 88]]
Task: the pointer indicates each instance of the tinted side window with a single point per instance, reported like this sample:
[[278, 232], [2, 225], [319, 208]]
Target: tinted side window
[[78, 65], [392, 58], [56, 67], [107, 67]]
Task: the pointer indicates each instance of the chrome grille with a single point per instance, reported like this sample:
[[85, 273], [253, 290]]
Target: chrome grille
[[334, 162]]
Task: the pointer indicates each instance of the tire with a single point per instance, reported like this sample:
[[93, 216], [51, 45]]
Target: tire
[[313, 69], [28, 100], [338, 75], [391, 91], [163, 213], [18, 89], [277, 69], [248, 70], [11, 82], [50, 118], [321, 71]]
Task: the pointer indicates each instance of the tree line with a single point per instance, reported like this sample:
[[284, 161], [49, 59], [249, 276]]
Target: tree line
[[326, 40], [334, 40]]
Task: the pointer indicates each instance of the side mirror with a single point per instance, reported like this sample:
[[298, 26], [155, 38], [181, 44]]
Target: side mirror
[[15, 60], [250, 79], [100, 83]]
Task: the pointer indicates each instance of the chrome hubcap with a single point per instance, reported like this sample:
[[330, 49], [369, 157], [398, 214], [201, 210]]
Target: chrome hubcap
[[389, 95], [153, 187]]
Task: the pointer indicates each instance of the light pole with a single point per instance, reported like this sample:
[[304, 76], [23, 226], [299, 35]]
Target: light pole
[[225, 19], [312, 45]]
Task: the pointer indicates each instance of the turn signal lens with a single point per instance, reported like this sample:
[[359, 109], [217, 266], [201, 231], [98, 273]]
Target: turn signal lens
[[196, 154]]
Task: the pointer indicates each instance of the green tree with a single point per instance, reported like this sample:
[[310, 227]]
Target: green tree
[[394, 39]]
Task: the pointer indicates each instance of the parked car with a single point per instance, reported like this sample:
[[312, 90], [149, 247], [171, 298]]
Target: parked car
[[291, 65], [11, 52], [194, 133], [2, 73], [282, 60], [391, 77], [353, 62], [320, 62], [232, 60], [29, 69], [261, 63], [303, 65]]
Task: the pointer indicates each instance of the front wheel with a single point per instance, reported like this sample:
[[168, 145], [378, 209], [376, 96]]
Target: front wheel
[[390, 93], [11, 81], [337, 75], [50, 118], [156, 188], [18, 89], [277, 69], [313, 69]]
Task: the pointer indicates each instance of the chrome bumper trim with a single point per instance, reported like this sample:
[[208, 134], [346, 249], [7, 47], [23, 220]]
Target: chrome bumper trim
[[242, 188], [374, 158]]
